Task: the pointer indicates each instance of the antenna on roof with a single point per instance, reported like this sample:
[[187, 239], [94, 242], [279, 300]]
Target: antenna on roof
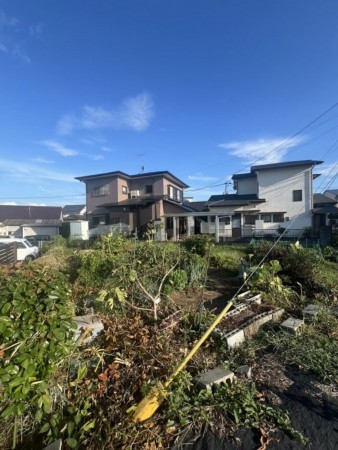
[[141, 156], [226, 184]]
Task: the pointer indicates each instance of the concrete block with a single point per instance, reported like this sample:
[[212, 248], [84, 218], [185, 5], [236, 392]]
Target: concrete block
[[253, 325], [56, 445], [293, 326], [257, 300], [214, 377], [234, 338], [277, 314], [238, 309], [310, 312], [90, 322], [243, 294], [245, 370]]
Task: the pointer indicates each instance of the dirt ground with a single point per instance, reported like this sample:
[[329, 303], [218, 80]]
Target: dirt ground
[[313, 406]]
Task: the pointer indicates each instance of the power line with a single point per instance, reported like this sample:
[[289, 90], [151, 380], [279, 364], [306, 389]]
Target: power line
[[280, 146]]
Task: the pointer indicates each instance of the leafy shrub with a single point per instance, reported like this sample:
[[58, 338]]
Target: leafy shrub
[[196, 268], [199, 244], [240, 402], [265, 279], [299, 264], [330, 254], [35, 334], [227, 258], [178, 280]]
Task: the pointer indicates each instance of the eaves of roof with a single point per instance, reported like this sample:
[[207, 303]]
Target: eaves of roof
[[164, 173], [283, 165]]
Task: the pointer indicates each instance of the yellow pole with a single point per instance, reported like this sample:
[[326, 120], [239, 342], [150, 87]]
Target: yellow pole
[[147, 407]]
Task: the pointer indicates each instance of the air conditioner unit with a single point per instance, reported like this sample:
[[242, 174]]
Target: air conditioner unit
[[134, 194]]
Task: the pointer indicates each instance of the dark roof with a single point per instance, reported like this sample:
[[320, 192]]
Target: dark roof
[[131, 177], [28, 212], [322, 199], [282, 165], [332, 193], [327, 209], [195, 206], [72, 210], [233, 200], [236, 176]]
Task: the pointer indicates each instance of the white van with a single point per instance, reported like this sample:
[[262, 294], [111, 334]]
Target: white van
[[24, 249]]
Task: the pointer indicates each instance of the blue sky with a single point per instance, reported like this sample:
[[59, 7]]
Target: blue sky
[[200, 88]]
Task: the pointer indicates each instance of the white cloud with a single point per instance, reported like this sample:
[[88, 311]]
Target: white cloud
[[30, 172], [262, 151], [36, 30], [3, 48], [134, 113], [106, 149], [9, 29], [327, 169], [20, 53], [6, 21], [93, 141], [43, 160], [59, 148], [9, 203], [96, 157], [200, 177]]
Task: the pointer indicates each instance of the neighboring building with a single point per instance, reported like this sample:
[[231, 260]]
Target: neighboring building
[[332, 193], [74, 212], [325, 212], [26, 220], [268, 198], [135, 200]]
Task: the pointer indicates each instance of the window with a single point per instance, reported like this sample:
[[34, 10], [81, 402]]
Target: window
[[20, 245], [278, 217], [101, 191], [149, 189], [99, 220], [297, 196], [171, 192], [124, 190], [178, 195], [250, 219], [266, 217], [225, 220]]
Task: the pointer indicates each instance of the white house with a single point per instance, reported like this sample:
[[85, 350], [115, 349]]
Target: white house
[[268, 198]]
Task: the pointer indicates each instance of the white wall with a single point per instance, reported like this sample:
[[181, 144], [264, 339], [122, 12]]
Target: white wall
[[34, 230], [277, 186], [79, 230], [247, 186]]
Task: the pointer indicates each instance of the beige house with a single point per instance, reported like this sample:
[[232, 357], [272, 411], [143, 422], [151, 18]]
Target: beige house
[[135, 200]]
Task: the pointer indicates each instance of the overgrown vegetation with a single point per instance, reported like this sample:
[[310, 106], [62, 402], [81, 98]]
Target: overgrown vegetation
[[36, 336], [51, 388]]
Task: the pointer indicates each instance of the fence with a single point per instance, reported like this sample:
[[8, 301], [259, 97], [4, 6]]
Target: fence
[[8, 253], [119, 228]]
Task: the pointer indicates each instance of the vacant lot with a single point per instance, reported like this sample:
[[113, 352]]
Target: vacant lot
[[155, 301]]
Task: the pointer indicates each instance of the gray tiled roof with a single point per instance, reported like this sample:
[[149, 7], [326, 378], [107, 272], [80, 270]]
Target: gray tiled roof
[[28, 212]]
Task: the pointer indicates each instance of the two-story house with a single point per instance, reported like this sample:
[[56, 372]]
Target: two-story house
[[135, 200], [268, 198]]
